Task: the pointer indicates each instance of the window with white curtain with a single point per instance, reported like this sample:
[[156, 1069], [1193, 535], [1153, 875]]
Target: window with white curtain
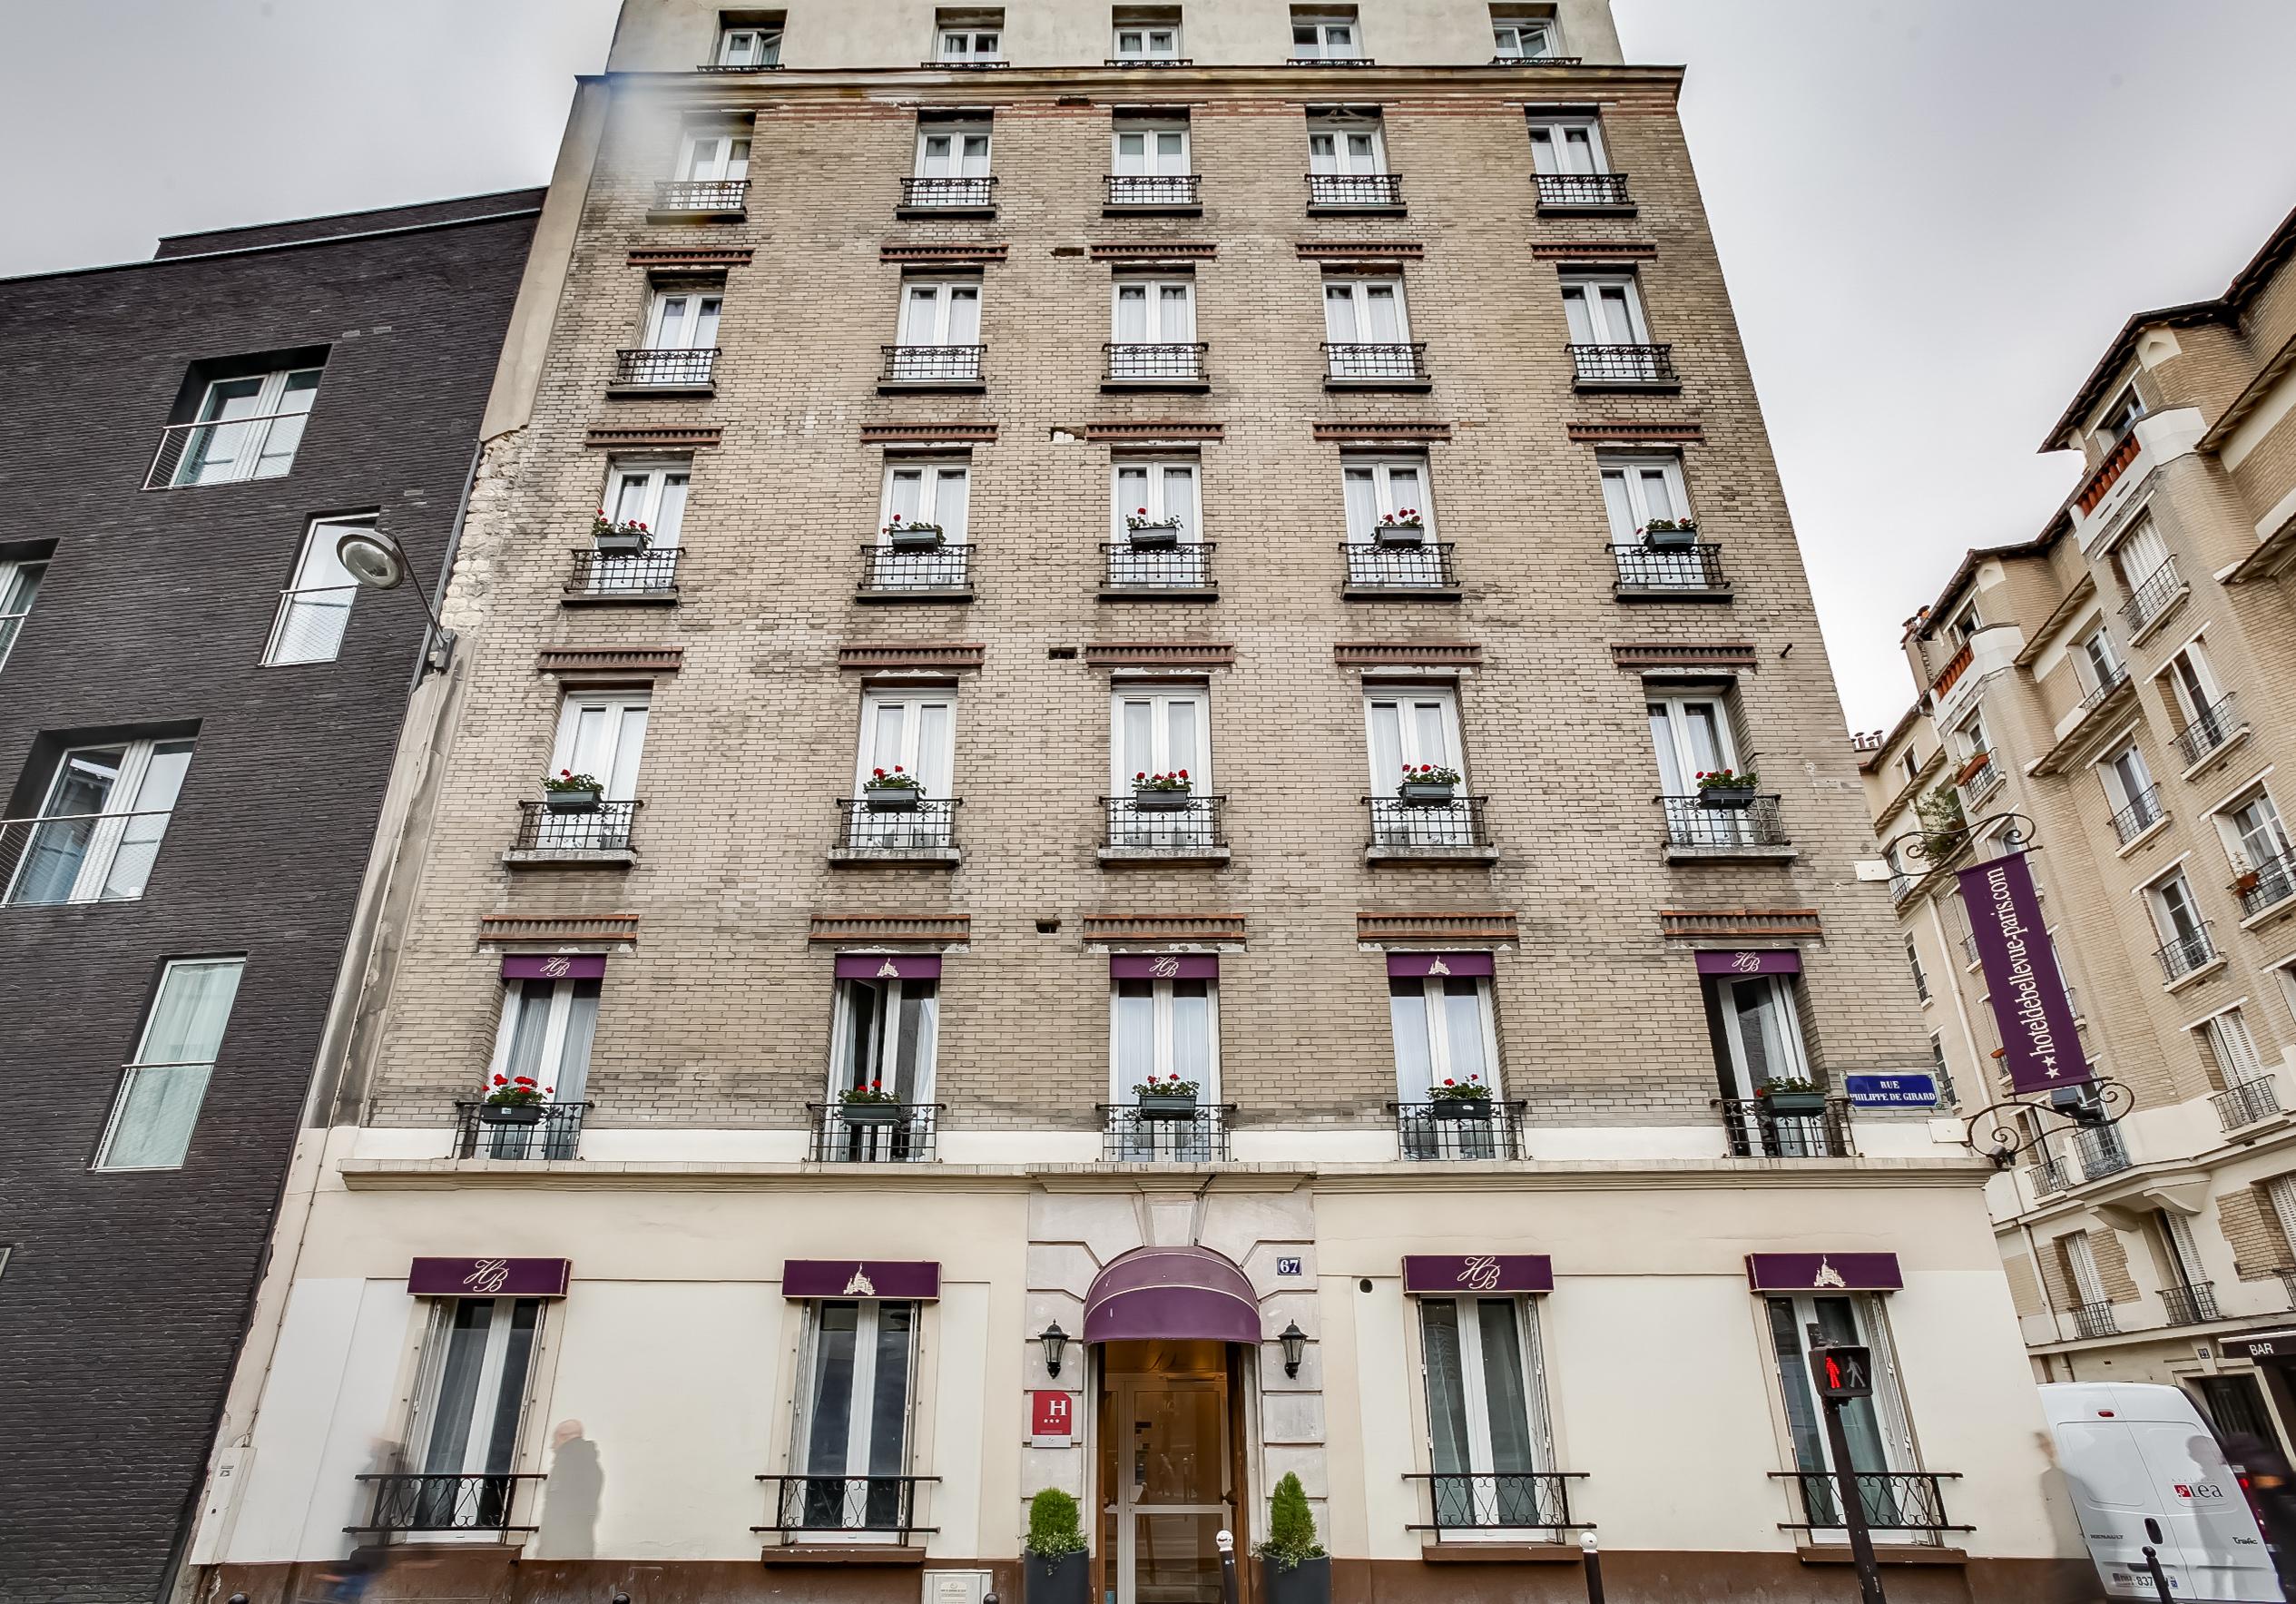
[[969, 37], [603, 734], [1153, 311], [1378, 486], [470, 1399], [886, 1034], [927, 490], [102, 819], [1162, 730], [1363, 311], [19, 589], [1149, 148], [1345, 145], [160, 1093], [1562, 145], [1486, 1416], [1325, 35], [1162, 1029], [545, 1033], [1443, 1032], [1641, 490], [941, 312], [852, 1439], [1877, 1430], [1147, 38], [911, 732], [649, 492], [1411, 727], [952, 150], [316, 606], [1158, 489], [682, 318], [1603, 309], [714, 155]]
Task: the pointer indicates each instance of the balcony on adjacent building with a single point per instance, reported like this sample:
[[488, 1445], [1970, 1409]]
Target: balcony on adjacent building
[[2187, 954], [2150, 601], [2244, 1102], [1155, 192], [1355, 192], [649, 370], [1357, 364], [1168, 826], [2266, 884], [2211, 731], [1167, 366], [2094, 1320], [1625, 366], [1497, 1502], [897, 826], [2192, 1304], [801, 1509], [1696, 828], [1678, 573], [938, 573], [1459, 1128], [411, 1504], [1891, 1501], [1144, 1133], [714, 200], [59, 858], [1180, 570], [948, 197], [2106, 686], [1583, 191], [873, 1133], [647, 574], [2142, 812], [2102, 1150], [554, 831], [1787, 1125], [1979, 778], [1377, 568], [528, 1131], [2050, 1176], [931, 366]]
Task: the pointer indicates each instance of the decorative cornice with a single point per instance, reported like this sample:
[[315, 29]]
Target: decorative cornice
[[913, 655], [1478, 925], [1683, 654], [1450, 653], [1163, 927], [1360, 250], [1383, 433], [942, 254], [609, 659], [498, 930], [1161, 654], [1154, 429], [926, 434], [1632, 432], [688, 256], [1156, 250], [851, 930], [1776, 923], [628, 436], [1593, 250]]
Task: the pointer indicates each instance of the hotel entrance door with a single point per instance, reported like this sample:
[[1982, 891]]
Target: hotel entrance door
[[1167, 1472]]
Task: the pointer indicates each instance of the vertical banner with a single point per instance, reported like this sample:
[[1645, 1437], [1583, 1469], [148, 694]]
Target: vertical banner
[[2042, 1047]]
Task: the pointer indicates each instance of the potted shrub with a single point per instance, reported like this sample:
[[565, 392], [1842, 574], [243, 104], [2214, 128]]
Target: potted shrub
[[1162, 792], [514, 1100], [1147, 533], [869, 1104], [909, 537], [619, 540], [1726, 788], [2247, 881], [1671, 534], [1428, 785], [1294, 1565], [1791, 1095], [1459, 1100], [1172, 1098], [893, 792], [1055, 1567], [569, 793], [1405, 527]]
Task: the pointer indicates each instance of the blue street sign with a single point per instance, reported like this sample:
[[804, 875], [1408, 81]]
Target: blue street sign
[[1891, 1092]]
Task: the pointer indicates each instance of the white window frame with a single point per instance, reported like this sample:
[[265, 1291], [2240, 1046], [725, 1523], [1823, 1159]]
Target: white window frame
[[953, 44], [715, 155], [551, 1063], [1360, 356], [1155, 494], [2233, 1046], [860, 1414], [1146, 49], [958, 132], [2191, 676], [619, 779], [696, 308], [1164, 1058], [1588, 289], [945, 298], [253, 454], [1324, 24], [197, 1071], [105, 841], [639, 490], [1410, 734], [935, 475], [1627, 470], [321, 611], [1158, 308], [486, 1400], [1482, 1502], [765, 46], [936, 769], [2238, 851], [2145, 541], [2117, 783], [889, 1041], [2120, 415], [20, 582], [1160, 696], [1676, 706], [2100, 660], [1149, 132], [1342, 162], [1508, 32], [1892, 1419], [1385, 499], [1793, 1049], [2162, 905], [1442, 1061], [1549, 153]]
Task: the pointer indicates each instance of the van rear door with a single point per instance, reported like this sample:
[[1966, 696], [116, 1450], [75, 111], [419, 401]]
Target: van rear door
[[2113, 1494], [2204, 1515]]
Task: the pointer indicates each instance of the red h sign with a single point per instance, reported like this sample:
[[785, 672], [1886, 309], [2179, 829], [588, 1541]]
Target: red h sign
[[1050, 1414]]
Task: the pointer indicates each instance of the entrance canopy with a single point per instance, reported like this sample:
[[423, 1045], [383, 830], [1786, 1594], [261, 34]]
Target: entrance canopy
[[1172, 1291]]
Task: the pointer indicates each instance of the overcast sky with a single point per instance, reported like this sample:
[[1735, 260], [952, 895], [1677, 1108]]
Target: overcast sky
[[1933, 214]]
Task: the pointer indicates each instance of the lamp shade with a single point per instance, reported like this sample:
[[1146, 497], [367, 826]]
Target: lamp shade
[[372, 558]]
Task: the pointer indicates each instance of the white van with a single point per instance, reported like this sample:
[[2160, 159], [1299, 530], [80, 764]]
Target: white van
[[2143, 1468]]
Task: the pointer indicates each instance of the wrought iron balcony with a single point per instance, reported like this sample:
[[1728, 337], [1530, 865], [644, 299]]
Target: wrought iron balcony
[[942, 569], [2142, 812], [1459, 828], [925, 827], [2155, 594], [2191, 1304], [539, 1130], [948, 194], [1758, 1130], [1130, 1135], [874, 1133], [79, 857], [688, 367], [2102, 1151], [1968, 951], [932, 364], [544, 831], [2244, 1102], [1623, 364], [1328, 61], [214, 452], [1194, 825], [424, 1501], [2211, 731], [2094, 1320], [2105, 686], [651, 573], [1425, 567], [1155, 191], [798, 1506], [1381, 191], [702, 197], [2050, 1176], [1560, 191], [1148, 60], [1501, 1500], [1372, 366], [1170, 363], [1654, 570], [1892, 1501], [1461, 1128], [1982, 781], [1692, 826], [2267, 884], [1183, 566], [2182, 955]]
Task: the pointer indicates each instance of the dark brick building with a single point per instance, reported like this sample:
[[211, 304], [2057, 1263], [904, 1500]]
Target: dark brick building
[[197, 723]]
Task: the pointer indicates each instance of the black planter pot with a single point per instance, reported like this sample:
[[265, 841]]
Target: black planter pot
[[1064, 1581], [510, 1113], [1670, 539], [891, 799], [1729, 798], [619, 544], [869, 1113], [1426, 794], [1393, 535], [1157, 1105], [1460, 1109], [570, 802], [1154, 536], [1798, 1103], [1307, 1582], [914, 539], [1160, 801]]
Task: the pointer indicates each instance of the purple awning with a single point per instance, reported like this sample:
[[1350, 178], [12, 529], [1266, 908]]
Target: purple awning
[[490, 1278], [861, 1278], [1414, 966], [1444, 1274], [1785, 962], [1172, 1291], [1164, 966], [1824, 1272], [555, 966], [888, 966]]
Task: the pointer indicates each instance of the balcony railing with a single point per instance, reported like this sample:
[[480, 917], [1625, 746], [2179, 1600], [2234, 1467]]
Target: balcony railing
[[887, 569], [1155, 188], [1623, 364], [1185, 566], [928, 826], [933, 364], [1355, 188], [1354, 363], [1130, 1135], [689, 368], [1498, 1501], [2102, 1150], [874, 1133], [1195, 825], [602, 829], [2050, 1176], [1461, 1128], [1582, 189], [2153, 597], [1329, 61], [653, 572], [2210, 730], [1148, 60], [1757, 1130], [2094, 1320], [423, 1501], [1692, 826], [2191, 1304], [79, 857], [2244, 1102], [1170, 363], [1982, 781], [2105, 686], [1645, 569], [948, 194], [1968, 951], [1425, 567], [827, 1504], [554, 1131], [213, 452], [722, 196], [1892, 1501], [2142, 812], [1460, 826], [2267, 884], [2181, 956]]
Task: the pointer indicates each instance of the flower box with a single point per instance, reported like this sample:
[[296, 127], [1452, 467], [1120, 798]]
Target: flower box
[[1155, 800], [1678, 539], [1427, 793], [1730, 797], [2247, 881], [1400, 534], [510, 1113], [621, 543], [867, 1112], [570, 802], [1171, 1105], [914, 538], [1801, 1103], [1154, 537], [891, 799], [1460, 1109]]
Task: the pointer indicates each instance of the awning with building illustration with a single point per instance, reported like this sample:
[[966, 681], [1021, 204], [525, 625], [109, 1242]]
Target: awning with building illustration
[[1413, 965], [1174, 1293], [918, 1279], [888, 966], [1824, 1272]]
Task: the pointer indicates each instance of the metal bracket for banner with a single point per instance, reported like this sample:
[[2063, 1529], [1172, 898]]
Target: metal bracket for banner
[[1936, 847]]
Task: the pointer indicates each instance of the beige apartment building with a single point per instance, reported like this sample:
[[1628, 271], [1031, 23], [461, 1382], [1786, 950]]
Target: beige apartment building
[[2122, 683], [1194, 562]]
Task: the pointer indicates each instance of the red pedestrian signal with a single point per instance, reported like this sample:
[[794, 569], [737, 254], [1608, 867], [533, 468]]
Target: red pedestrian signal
[[1842, 1372]]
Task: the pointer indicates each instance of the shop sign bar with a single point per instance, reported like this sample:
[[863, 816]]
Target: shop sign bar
[[1446, 1275], [1164, 966], [1824, 1272], [1782, 962], [1416, 965], [888, 966], [555, 966], [861, 1278], [490, 1278]]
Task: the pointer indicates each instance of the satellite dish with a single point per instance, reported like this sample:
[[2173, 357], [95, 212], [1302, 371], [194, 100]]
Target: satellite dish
[[372, 559]]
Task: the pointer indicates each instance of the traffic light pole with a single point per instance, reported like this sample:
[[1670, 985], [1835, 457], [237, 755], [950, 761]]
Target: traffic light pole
[[1853, 1508]]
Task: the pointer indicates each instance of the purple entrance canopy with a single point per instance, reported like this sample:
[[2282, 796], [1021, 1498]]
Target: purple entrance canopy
[[888, 966], [1172, 1291]]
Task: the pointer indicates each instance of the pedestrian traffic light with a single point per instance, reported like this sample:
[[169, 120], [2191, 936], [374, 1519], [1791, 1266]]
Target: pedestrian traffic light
[[1842, 1372]]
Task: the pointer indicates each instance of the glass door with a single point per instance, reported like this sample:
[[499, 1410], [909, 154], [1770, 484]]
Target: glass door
[[1763, 1032], [1161, 733], [856, 1449], [1171, 1487], [545, 1034], [1411, 731]]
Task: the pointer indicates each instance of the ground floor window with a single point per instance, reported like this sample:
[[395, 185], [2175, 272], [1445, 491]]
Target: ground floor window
[[1486, 1414], [854, 1430], [463, 1443], [1880, 1443]]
